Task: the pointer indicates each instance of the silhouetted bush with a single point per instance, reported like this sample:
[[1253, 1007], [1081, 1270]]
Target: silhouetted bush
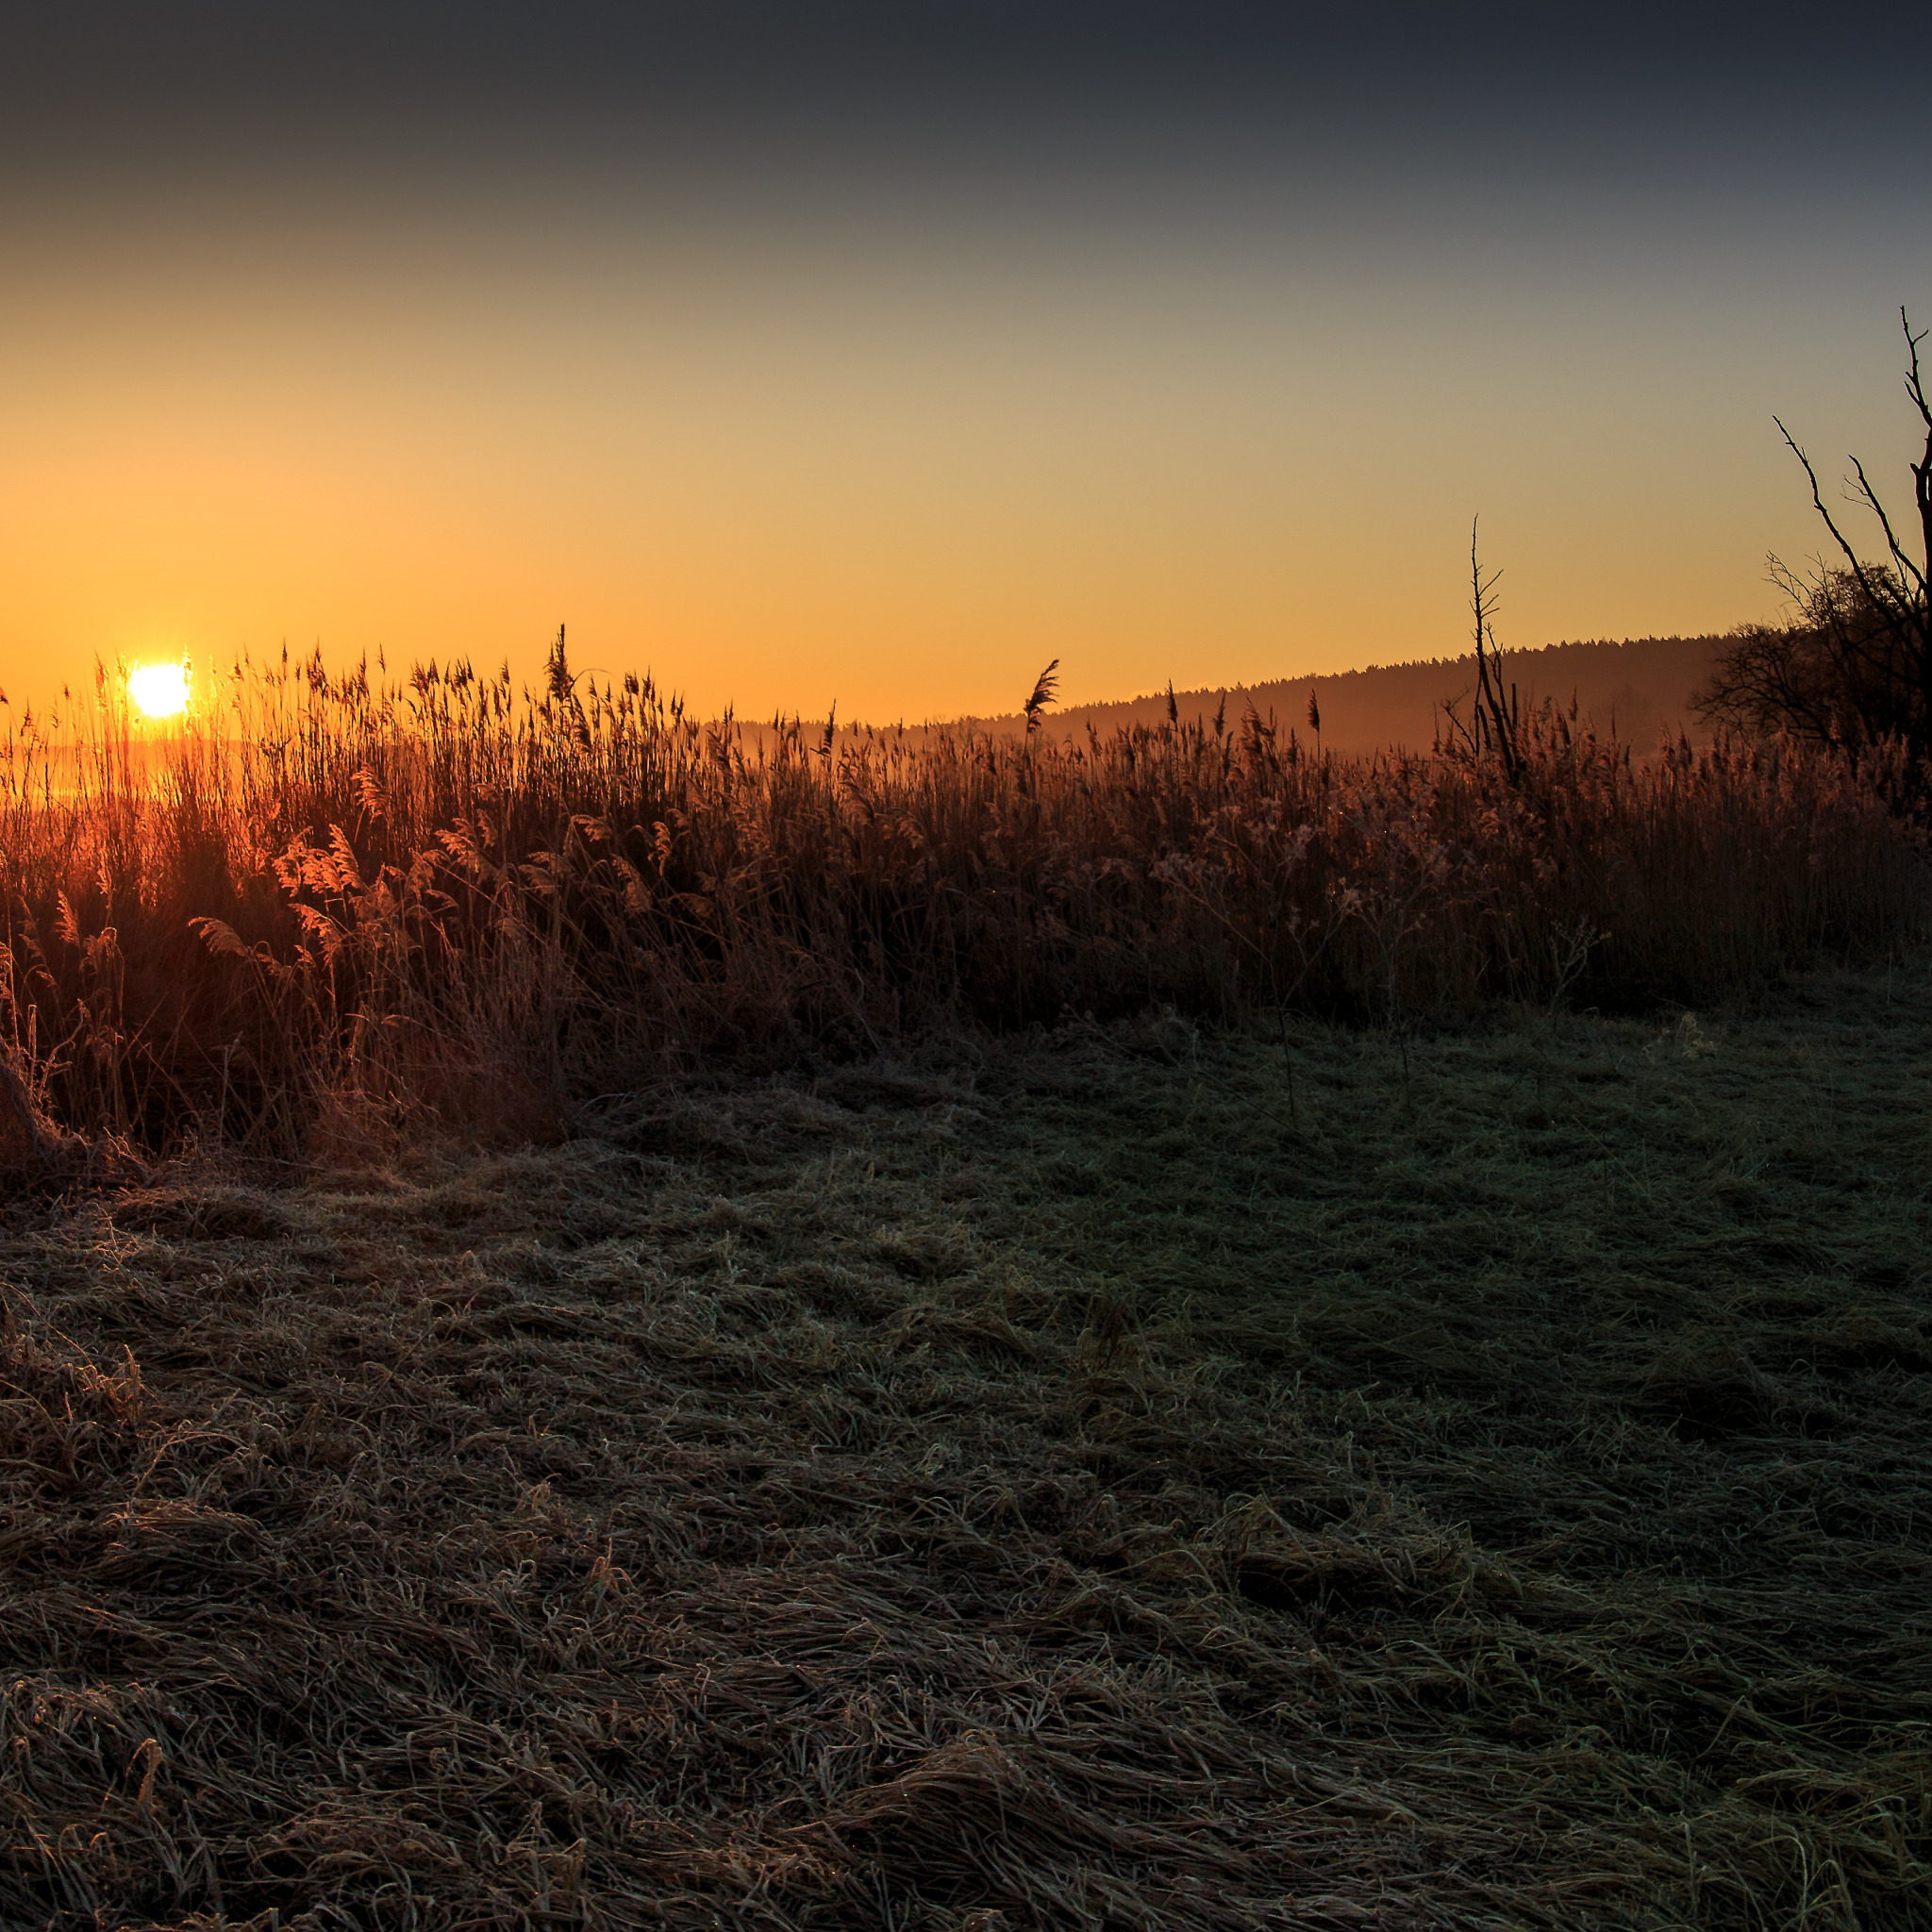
[[1855, 661]]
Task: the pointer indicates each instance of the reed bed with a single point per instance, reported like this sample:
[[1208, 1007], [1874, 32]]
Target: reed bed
[[325, 905]]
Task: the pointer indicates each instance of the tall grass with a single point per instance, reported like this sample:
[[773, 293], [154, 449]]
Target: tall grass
[[349, 900]]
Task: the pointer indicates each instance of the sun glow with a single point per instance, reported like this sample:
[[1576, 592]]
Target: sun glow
[[158, 691]]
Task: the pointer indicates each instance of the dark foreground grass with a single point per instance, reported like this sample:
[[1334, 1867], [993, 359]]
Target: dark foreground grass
[[1069, 1484]]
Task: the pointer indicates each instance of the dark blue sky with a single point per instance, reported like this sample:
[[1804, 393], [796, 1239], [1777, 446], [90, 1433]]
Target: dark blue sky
[[1835, 90]]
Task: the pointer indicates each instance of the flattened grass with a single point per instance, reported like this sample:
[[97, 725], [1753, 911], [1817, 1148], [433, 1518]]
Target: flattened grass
[[1064, 1483]]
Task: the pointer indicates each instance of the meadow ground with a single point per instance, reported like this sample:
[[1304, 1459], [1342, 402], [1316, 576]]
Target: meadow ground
[[1078, 1481]]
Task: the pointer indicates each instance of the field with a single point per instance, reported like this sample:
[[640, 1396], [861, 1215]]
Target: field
[[1040, 1482], [609, 1320]]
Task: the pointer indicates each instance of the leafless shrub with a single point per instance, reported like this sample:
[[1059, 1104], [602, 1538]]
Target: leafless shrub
[[1855, 660]]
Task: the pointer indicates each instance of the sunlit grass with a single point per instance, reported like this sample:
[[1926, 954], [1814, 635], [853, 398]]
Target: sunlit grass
[[323, 898]]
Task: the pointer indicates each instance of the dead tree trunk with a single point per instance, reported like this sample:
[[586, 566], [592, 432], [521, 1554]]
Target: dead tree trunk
[[1495, 721]]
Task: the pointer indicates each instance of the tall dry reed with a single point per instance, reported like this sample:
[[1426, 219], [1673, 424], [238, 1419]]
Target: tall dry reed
[[354, 899]]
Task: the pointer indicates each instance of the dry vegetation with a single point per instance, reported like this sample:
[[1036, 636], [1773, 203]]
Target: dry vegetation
[[330, 909], [1020, 1485], [611, 1322]]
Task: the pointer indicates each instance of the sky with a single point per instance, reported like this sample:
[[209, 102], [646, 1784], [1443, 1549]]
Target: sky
[[877, 355]]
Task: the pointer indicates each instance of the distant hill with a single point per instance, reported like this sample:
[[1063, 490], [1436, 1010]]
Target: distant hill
[[1637, 689]]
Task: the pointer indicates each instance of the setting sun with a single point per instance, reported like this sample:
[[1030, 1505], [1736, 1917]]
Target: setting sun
[[158, 691]]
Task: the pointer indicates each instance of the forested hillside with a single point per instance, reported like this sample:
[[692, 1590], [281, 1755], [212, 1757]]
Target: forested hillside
[[1637, 687]]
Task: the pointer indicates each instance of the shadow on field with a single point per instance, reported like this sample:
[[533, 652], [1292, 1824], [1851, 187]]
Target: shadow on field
[[1059, 1485]]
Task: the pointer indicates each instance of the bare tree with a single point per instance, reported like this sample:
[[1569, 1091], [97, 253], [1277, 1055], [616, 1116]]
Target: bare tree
[[1856, 662], [1493, 723]]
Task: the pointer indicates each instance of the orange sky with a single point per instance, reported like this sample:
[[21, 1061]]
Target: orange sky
[[788, 443]]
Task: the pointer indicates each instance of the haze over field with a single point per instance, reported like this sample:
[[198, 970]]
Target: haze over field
[[880, 355]]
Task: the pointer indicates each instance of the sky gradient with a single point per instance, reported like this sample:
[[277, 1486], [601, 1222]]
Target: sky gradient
[[804, 354]]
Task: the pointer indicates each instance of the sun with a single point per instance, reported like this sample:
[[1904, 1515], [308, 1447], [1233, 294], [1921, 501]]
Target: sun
[[160, 690]]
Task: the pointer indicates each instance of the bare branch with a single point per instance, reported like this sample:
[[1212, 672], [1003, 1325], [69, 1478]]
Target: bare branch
[[1921, 470], [1859, 569], [1491, 716], [1914, 387], [1907, 569]]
